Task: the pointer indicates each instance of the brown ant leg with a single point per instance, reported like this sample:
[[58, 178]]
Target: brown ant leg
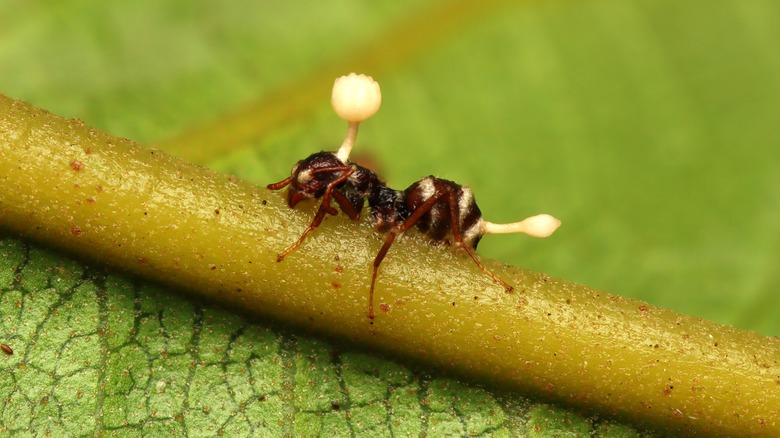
[[280, 185], [408, 223], [314, 224], [452, 202], [347, 171], [377, 261], [455, 224], [325, 208], [346, 206]]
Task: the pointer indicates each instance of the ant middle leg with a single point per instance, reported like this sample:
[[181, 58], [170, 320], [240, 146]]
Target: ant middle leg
[[377, 261], [408, 223]]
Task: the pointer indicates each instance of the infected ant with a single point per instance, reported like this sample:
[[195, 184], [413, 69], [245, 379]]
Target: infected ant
[[441, 209]]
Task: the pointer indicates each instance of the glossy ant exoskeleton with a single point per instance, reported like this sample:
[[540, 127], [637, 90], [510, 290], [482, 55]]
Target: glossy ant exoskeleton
[[443, 210]]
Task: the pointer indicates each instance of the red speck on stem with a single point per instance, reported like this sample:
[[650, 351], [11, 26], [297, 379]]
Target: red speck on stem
[[8, 350], [76, 165], [75, 230]]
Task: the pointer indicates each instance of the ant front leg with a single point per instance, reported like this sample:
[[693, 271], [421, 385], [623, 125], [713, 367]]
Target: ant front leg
[[457, 235], [325, 208], [346, 172], [314, 224], [346, 206]]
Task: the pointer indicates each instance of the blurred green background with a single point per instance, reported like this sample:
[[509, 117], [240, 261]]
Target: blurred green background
[[650, 127]]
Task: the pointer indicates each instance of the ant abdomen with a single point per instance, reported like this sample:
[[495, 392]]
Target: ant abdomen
[[452, 216]]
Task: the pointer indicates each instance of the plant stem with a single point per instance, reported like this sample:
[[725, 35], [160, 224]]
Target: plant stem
[[141, 210]]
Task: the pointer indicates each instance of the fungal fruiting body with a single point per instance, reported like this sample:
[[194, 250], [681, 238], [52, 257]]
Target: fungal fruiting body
[[443, 210]]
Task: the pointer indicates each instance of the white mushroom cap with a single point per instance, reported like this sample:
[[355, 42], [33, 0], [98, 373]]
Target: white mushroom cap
[[356, 97]]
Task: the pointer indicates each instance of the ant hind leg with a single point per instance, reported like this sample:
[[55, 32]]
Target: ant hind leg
[[453, 204]]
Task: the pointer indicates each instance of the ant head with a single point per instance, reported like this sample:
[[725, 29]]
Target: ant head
[[310, 177]]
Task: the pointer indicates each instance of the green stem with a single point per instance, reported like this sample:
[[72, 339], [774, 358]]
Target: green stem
[[108, 199]]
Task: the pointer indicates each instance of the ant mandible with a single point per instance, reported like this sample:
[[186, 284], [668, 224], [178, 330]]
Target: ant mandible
[[443, 210]]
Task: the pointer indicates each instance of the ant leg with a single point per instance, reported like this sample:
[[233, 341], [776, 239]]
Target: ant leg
[[346, 206], [377, 261], [280, 185], [456, 234], [408, 223], [346, 172], [314, 224], [495, 277], [325, 207]]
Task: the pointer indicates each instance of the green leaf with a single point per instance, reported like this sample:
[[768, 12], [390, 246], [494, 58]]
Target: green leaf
[[649, 127]]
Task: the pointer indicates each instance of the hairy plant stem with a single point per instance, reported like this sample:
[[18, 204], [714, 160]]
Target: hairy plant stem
[[141, 210]]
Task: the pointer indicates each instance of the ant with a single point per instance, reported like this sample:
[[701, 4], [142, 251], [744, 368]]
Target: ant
[[443, 210]]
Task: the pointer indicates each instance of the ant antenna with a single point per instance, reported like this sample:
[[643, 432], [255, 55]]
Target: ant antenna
[[355, 98], [541, 225]]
